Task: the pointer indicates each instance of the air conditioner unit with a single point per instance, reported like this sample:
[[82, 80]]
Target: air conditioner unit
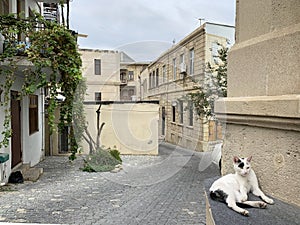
[[182, 68]]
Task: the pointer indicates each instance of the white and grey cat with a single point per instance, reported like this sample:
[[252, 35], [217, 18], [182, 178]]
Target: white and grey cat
[[234, 188]]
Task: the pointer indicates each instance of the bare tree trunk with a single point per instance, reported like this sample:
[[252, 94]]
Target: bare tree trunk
[[98, 135]]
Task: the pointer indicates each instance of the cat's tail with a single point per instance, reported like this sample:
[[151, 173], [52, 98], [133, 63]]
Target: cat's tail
[[218, 195]]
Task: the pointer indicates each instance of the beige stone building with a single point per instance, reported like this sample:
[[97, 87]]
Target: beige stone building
[[111, 75], [130, 77], [173, 75], [101, 69], [262, 111]]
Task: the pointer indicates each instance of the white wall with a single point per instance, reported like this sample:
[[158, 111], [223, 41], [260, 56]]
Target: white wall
[[32, 145]]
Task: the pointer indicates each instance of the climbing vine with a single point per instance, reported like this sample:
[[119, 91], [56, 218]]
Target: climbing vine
[[214, 85], [50, 50]]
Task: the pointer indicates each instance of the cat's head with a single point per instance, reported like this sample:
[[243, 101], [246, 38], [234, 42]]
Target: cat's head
[[242, 166]]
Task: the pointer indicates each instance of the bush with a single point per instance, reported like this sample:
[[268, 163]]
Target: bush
[[100, 161], [116, 154]]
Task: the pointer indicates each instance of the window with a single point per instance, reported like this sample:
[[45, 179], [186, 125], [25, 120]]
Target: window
[[97, 63], [191, 113], [150, 81], [33, 114], [1, 95], [214, 51], [182, 65], [130, 75], [127, 93], [123, 76], [180, 112], [97, 96], [173, 113], [192, 55], [164, 73], [182, 58], [157, 79], [153, 79], [174, 69]]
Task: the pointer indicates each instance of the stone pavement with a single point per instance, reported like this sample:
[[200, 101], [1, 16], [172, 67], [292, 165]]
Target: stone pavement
[[164, 189]]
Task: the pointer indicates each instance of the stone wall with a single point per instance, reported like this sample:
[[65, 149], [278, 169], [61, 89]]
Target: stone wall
[[262, 111]]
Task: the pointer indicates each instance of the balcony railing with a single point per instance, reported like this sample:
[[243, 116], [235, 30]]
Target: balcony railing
[[21, 46], [51, 13]]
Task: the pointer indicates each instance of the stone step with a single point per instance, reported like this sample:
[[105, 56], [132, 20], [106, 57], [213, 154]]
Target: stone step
[[32, 174], [29, 173]]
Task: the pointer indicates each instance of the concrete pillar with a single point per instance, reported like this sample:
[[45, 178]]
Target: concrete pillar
[[262, 110]]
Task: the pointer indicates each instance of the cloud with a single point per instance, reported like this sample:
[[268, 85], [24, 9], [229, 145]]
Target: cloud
[[113, 23]]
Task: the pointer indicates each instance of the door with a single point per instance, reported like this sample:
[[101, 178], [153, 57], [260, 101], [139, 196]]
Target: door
[[64, 140], [16, 128]]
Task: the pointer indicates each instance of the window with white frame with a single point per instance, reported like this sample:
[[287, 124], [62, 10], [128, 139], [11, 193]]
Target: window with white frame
[[130, 75], [190, 113], [192, 55], [174, 69]]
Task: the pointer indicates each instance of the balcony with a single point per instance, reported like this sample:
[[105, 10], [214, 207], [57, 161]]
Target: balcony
[[124, 81], [50, 14]]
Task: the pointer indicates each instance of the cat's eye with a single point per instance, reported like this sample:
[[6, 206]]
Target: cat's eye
[[248, 168]]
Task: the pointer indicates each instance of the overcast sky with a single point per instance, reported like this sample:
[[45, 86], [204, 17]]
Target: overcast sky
[[139, 26]]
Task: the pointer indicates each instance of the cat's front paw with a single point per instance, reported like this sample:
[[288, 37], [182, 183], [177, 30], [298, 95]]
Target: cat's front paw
[[262, 205], [244, 198], [269, 201], [245, 213]]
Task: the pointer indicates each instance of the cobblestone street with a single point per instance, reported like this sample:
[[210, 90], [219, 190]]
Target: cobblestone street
[[164, 189]]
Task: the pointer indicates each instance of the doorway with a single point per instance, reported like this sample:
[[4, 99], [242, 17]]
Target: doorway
[[15, 105]]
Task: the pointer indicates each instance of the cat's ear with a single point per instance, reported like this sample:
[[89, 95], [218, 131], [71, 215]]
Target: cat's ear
[[249, 158], [236, 159]]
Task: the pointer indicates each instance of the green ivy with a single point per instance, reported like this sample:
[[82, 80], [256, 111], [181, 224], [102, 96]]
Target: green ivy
[[56, 64]]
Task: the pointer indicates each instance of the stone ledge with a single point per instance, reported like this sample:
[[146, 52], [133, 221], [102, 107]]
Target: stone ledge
[[286, 106], [262, 121], [280, 213]]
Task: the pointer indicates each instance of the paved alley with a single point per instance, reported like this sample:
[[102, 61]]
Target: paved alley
[[164, 189]]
